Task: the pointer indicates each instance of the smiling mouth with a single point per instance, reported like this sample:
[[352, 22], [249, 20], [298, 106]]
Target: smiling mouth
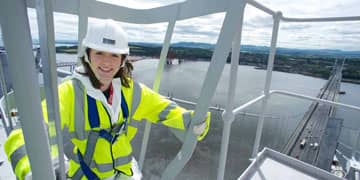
[[105, 70]]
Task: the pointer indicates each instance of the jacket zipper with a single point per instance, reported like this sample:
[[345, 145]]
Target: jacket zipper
[[110, 143]]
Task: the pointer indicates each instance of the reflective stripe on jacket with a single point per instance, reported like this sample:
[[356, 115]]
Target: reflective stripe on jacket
[[142, 102]]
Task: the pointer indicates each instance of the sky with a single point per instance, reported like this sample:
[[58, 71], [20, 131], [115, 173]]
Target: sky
[[257, 26]]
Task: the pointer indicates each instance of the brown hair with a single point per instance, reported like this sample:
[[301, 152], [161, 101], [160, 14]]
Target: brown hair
[[124, 72]]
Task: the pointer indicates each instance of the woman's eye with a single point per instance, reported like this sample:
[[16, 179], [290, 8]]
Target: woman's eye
[[99, 53], [115, 55]]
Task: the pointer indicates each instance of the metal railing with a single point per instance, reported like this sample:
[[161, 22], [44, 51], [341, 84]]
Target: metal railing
[[229, 38], [17, 40], [4, 101]]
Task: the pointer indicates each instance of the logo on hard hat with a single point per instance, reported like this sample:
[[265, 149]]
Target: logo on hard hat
[[108, 41]]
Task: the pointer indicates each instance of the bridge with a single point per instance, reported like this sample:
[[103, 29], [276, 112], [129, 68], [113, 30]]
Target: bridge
[[314, 140]]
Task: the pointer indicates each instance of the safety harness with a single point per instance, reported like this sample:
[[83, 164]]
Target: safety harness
[[93, 136]]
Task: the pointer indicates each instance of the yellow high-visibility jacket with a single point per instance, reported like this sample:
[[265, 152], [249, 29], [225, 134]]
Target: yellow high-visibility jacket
[[103, 157]]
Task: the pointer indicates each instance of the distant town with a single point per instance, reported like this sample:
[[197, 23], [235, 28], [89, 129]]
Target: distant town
[[316, 63]]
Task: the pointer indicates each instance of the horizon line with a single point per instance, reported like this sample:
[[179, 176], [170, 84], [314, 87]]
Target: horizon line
[[297, 48]]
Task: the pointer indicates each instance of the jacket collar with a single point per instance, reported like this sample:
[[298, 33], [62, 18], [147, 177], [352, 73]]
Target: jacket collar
[[97, 94]]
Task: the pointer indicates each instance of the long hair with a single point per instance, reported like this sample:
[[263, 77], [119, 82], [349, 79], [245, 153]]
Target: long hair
[[124, 73]]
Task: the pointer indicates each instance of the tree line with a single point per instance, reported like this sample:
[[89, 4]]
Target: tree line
[[312, 65]]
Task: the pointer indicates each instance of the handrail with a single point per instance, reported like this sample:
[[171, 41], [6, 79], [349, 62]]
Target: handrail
[[300, 96], [296, 95], [324, 19], [16, 34], [261, 7], [218, 108], [44, 11], [247, 104]]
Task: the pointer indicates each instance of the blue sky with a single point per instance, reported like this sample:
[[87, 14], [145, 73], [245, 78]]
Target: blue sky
[[256, 29]]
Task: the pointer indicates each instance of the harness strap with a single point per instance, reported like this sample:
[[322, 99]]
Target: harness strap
[[85, 168], [94, 121], [93, 112], [86, 161], [124, 107]]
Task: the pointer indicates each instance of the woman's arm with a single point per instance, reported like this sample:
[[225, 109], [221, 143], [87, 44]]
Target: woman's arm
[[158, 109], [15, 145]]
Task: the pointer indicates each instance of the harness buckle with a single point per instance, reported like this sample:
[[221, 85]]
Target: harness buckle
[[117, 131]]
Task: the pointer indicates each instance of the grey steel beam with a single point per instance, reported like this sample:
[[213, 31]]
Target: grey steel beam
[[44, 11], [159, 14], [228, 115], [83, 21], [230, 26], [17, 41], [156, 85], [190, 9]]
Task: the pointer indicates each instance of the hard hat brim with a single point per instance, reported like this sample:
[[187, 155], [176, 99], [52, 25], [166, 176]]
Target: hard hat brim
[[108, 48]]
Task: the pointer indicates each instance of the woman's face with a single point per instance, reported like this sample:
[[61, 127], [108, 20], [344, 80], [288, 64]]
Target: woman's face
[[105, 65]]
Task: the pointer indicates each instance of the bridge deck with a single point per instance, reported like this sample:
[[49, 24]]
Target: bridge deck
[[309, 137], [328, 145]]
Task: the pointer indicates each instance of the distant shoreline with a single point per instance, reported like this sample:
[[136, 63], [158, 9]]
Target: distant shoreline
[[353, 81], [313, 66]]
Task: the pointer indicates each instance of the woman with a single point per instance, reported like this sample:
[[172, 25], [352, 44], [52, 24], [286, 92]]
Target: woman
[[101, 107]]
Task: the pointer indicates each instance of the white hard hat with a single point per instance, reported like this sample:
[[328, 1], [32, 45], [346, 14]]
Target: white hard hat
[[106, 36]]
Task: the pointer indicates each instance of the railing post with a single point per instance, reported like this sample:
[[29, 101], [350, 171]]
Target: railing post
[[270, 65], [228, 115], [82, 22], [156, 85], [17, 41], [4, 89], [44, 10], [357, 175]]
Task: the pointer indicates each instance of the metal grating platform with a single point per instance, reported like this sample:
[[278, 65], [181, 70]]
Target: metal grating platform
[[271, 165]]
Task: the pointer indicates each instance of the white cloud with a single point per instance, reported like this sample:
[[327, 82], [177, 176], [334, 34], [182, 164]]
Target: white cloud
[[199, 29], [311, 8], [308, 35], [65, 25], [257, 26]]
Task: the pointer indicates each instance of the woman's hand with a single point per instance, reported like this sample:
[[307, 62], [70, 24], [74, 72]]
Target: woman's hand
[[200, 128]]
